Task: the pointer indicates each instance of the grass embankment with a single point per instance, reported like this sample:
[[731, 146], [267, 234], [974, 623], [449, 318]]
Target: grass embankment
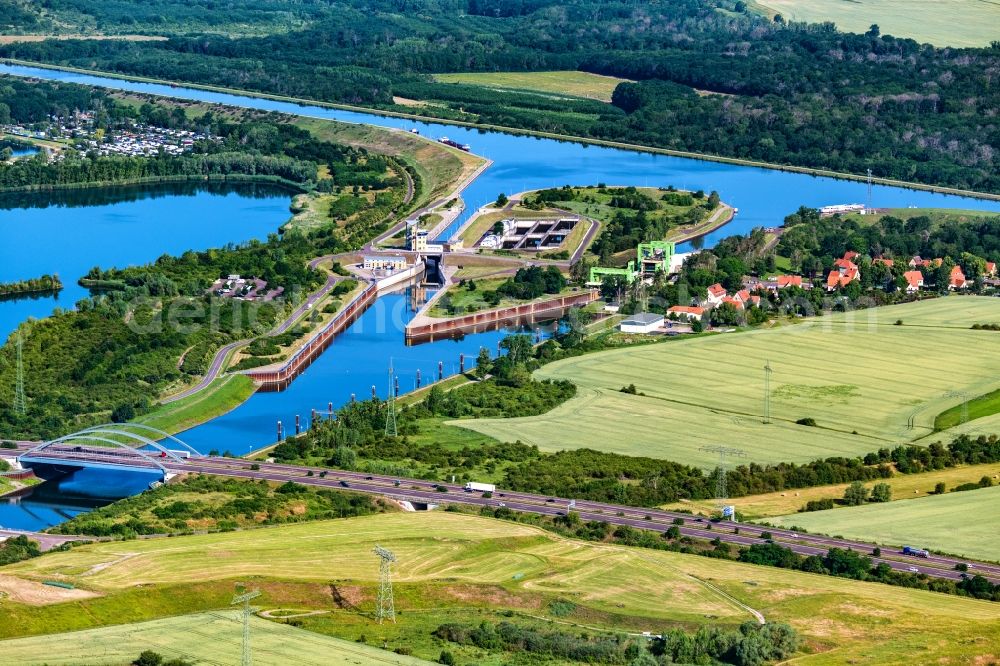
[[440, 168], [904, 486], [962, 523], [853, 373], [976, 408], [937, 216], [963, 23], [222, 395], [459, 568], [573, 83], [219, 641]]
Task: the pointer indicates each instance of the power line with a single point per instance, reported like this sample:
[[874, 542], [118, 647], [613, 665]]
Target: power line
[[247, 612], [390, 414], [721, 492], [20, 399], [384, 607], [767, 391]]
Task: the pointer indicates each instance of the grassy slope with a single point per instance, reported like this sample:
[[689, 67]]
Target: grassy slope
[[216, 638], [938, 216], [904, 486], [952, 23], [853, 373], [963, 523], [461, 568], [221, 396], [577, 84]]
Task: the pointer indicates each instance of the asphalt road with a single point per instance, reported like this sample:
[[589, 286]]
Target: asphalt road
[[421, 491]]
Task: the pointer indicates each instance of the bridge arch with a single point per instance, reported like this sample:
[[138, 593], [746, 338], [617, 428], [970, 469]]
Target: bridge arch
[[115, 437]]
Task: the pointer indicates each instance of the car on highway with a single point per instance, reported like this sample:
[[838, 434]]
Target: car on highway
[[345, 484], [913, 569], [368, 478], [501, 504], [396, 483]]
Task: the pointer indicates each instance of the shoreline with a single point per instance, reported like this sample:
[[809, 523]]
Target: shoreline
[[826, 173]]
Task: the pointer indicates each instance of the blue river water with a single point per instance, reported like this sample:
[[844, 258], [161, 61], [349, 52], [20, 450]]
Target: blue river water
[[21, 152], [70, 241]]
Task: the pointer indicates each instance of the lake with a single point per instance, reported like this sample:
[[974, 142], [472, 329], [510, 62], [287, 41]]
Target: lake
[[66, 232]]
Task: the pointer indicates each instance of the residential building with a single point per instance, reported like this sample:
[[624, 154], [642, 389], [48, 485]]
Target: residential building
[[686, 312]]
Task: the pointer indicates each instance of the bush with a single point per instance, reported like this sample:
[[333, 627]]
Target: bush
[[817, 505], [807, 421]]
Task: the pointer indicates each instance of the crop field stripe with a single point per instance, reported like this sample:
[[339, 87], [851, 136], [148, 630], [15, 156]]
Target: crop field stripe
[[962, 523], [859, 378]]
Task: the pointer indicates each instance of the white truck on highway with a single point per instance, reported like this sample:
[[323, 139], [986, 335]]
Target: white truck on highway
[[472, 486]]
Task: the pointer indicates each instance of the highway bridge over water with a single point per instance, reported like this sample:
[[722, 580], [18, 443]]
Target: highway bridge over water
[[117, 446]]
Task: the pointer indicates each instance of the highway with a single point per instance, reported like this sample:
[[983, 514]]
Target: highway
[[422, 491]]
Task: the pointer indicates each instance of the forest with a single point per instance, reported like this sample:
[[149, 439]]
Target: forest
[[709, 76]]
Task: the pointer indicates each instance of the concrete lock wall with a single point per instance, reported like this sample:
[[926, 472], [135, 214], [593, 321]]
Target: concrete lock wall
[[491, 319]]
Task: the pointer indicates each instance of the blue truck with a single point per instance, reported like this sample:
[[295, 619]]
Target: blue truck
[[915, 552]]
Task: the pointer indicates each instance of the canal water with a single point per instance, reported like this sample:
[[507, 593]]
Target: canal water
[[68, 240], [56, 501]]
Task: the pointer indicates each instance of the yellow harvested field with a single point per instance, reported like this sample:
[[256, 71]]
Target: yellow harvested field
[[841, 620], [867, 382], [576, 84], [904, 486], [203, 638], [939, 22]]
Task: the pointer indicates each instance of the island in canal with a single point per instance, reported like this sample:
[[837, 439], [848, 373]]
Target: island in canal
[[39, 286]]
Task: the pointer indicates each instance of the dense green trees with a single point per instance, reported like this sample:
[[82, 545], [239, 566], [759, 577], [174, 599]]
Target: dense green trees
[[43, 284], [709, 75]]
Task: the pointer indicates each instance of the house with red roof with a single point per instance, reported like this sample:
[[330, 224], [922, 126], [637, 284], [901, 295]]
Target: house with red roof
[[716, 294], [914, 281], [686, 312], [957, 279], [738, 304], [991, 269], [885, 262], [844, 272]]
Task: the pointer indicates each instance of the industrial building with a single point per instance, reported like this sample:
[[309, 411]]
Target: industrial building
[[642, 322], [515, 234], [391, 263]]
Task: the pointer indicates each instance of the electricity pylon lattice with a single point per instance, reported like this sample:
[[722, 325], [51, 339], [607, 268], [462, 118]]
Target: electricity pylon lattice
[[390, 406], [721, 493], [385, 609], [965, 402], [767, 391], [247, 612], [20, 399]]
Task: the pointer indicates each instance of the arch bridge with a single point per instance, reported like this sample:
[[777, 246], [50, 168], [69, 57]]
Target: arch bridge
[[113, 446]]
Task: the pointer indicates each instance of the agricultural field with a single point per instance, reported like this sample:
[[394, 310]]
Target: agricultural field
[[854, 373], [938, 216], [575, 84], [961, 523], [904, 486], [947, 23], [461, 568], [204, 638]]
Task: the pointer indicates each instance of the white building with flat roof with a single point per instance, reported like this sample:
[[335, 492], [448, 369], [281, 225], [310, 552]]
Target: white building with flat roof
[[641, 322]]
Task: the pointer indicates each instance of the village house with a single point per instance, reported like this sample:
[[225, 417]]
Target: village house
[[956, 280], [686, 312], [914, 281], [716, 294]]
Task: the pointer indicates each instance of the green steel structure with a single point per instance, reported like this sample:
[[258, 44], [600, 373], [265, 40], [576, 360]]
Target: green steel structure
[[652, 257]]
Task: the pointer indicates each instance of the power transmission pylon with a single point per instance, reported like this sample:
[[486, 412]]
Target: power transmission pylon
[[390, 406], [247, 612], [385, 609], [721, 492], [869, 189], [20, 399], [767, 391]]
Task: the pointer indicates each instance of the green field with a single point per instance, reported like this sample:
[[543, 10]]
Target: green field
[[962, 523], [219, 397], [861, 378], [462, 568], [937, 216], [576, 84], [942, 23], [203, 638]]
